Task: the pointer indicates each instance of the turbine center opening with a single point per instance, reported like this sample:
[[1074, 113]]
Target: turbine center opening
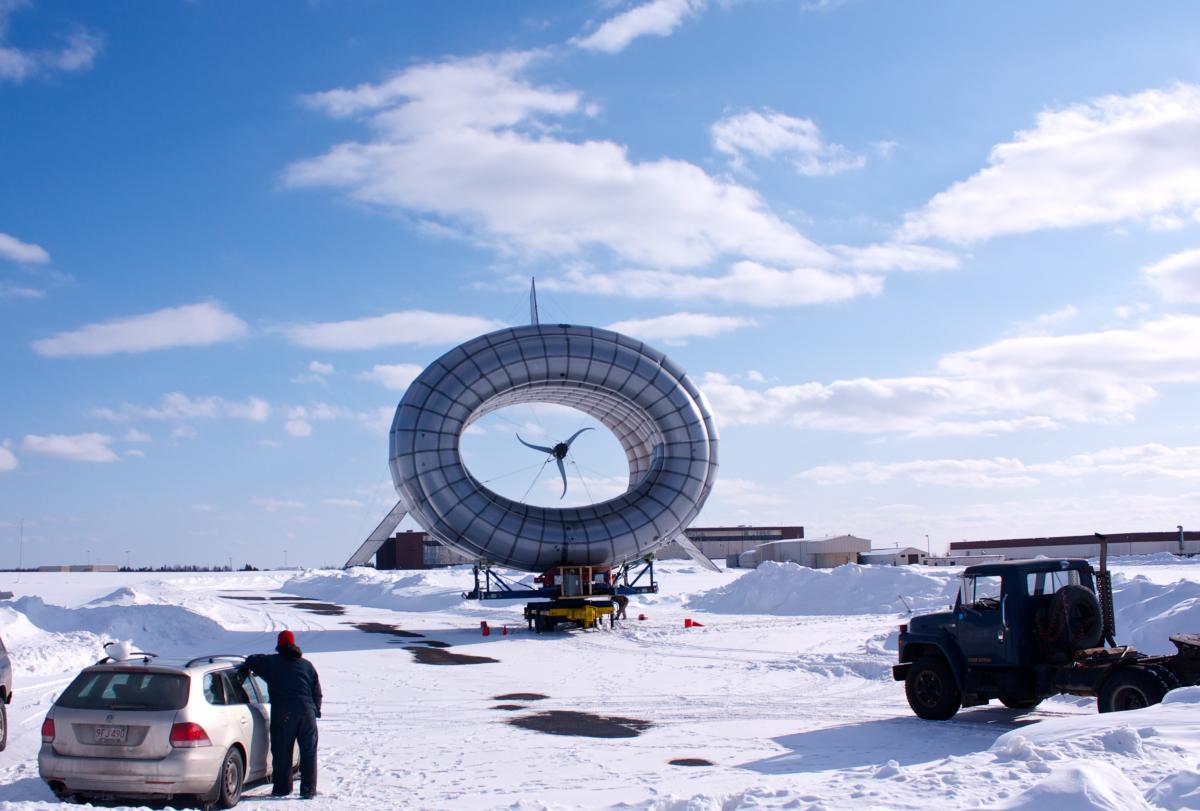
[[524, 452]]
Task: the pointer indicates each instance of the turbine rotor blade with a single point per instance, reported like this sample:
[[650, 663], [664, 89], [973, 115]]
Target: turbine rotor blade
[[535, 447], [563, 472], [574, 435]]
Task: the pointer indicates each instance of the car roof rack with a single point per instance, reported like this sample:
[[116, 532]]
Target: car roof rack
[[145, 656], [213, 657]]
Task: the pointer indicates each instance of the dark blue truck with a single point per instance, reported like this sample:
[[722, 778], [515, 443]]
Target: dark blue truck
[[1023, 630]]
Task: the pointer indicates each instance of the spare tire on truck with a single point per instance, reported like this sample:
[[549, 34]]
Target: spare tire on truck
[[1073, 621]]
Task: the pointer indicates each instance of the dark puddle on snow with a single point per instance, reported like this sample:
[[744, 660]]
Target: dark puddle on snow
[[690, 761], [520, 697], [384, 628], [582, 724], [303, 603], [440, 656]]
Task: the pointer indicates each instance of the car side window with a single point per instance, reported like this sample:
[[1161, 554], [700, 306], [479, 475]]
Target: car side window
[[214, 688], [235, 688], [262, 689]]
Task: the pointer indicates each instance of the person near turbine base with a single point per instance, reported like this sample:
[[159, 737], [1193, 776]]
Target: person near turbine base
[[295, 707]]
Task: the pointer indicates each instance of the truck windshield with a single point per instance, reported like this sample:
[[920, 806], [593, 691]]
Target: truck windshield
[[1040, 583], [125, 690], [981, 592]]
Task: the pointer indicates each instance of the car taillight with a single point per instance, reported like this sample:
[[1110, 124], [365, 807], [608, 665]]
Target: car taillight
[[188, 735], [48, 730], [904, 628]]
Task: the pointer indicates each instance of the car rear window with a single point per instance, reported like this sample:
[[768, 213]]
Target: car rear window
[[125, 690]]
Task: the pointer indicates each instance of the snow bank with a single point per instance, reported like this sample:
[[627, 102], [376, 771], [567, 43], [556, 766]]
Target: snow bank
[[1148, 613], [149, 626], [1081, 787], [1089, 759], [791, 589], [426, 590]]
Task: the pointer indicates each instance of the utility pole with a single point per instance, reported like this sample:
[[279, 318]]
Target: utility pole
[[928, 552], [127, 551]]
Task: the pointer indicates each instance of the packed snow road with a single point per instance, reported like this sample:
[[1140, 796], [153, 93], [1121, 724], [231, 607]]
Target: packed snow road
[[783, 698]]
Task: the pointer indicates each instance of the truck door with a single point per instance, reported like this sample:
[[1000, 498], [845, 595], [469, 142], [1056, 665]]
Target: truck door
[[981, 615]]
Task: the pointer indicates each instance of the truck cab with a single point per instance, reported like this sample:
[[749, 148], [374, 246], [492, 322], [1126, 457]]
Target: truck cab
[[1009, 620]]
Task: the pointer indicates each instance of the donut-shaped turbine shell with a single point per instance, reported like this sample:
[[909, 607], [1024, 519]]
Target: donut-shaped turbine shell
[[648, 402]]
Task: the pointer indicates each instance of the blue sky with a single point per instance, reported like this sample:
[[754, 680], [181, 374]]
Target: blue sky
[[936, 266]]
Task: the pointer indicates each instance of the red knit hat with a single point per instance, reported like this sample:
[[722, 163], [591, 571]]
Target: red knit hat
[[285, 638]]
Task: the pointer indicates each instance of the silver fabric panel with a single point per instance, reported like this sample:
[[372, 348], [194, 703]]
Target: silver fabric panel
[[657, 414]]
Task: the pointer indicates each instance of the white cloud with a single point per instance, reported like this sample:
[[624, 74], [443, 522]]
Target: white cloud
[[319, 368], [676, 328], [178, 407], [416, 327], [465, 141], [25, 252], [986, 473], [134, 435], [770, 134], [396, 376], [1177, 278], [272, 505], [20, 63], [1113, 159], [191, 325], [656, 18], [134, 452], [1139, 461], [77, 447], [342, 502], [745, 283], [298, 428], [895, 256], [8, 460], [1032, 382], [8, 290]]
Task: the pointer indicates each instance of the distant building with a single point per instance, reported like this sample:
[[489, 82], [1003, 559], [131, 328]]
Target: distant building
[[962, 560], [1083, 546], [817, 553], [899, 556], [88, 567], [718, 543], [416, 550]]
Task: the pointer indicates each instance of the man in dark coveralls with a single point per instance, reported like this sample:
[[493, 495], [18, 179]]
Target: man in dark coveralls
[[295, 707]]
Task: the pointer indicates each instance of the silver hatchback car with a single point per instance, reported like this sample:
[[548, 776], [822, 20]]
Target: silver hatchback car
[[148, 728]]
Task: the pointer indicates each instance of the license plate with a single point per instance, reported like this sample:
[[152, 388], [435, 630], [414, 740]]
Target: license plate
[[111, 735]]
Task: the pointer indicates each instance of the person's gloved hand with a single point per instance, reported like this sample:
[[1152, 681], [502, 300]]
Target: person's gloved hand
[[318, 713]]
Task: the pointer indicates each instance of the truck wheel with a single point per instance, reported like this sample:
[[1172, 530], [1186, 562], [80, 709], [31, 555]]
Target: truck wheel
[[1130, 688], [1014, 703], [931, 690]]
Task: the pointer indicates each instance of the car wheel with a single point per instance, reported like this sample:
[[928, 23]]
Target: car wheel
[[229, 780], [3, 724], [1130, 688], [931, 690], [1014, 703]]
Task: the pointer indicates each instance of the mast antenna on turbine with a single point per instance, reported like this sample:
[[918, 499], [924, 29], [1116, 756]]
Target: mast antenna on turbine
[[533, 312]]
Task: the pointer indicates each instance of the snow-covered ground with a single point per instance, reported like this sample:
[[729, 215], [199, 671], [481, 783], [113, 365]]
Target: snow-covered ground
[[785, 691]]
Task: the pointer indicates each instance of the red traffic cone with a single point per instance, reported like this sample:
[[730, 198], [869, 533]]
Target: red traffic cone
[[503, 630], [642, 617], [483, 627], [697, 624]]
